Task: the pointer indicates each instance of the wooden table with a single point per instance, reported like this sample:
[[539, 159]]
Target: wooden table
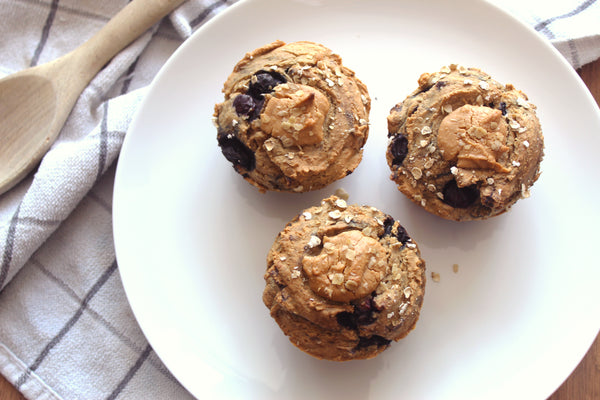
[[584, 382]]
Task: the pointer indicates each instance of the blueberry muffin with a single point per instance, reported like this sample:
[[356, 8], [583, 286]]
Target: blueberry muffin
[[344, 281], [293, 117], [464, 146]]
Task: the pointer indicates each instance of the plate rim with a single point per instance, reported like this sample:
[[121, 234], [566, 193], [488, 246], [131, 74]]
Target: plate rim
[[117, 227]]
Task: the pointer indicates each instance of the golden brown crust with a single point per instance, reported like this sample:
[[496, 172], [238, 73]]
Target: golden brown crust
[[464, 146], [316, 120], [343, 281]]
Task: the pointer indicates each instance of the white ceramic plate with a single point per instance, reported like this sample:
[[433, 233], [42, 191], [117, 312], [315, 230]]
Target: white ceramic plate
[[192, 236]]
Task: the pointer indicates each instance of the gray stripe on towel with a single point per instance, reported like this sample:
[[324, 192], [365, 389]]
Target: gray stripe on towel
[[45, 33], [68, 325], [582, 7]]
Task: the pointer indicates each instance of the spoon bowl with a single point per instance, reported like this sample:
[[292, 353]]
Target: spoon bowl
[[24, 133]]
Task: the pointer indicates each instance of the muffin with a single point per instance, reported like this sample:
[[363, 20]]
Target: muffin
[[464, 146], [293, 117], [344, 281]]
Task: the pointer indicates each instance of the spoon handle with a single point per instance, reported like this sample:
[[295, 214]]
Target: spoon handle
[[127, 25]]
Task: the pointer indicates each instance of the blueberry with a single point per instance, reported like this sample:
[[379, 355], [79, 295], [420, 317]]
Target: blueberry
[[458, 197], [236, 152], [503, 107], [244, 104], [248, 106], [376, 340], [259, 105], [264, 82], [362, 314], [346, 319], [399, 149], [388, 224], [401, 233], [440, 84]]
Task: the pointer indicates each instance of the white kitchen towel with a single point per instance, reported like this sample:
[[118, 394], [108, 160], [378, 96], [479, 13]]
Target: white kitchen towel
[[572, 26], [66, 329]]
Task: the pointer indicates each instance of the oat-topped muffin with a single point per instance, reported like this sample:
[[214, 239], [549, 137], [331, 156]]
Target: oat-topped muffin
[[293, 118], [343, 281], [463, 145]]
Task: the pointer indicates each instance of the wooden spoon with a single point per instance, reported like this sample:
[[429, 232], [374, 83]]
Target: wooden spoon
[[35, 103]]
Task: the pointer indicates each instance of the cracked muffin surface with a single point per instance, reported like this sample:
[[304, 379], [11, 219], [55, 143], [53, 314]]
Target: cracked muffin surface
[[344, 281], [463, 145], [294, 118]]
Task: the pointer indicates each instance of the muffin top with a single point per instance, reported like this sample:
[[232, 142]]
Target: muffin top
[[463, 145], [293, 117], [348, 275]]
